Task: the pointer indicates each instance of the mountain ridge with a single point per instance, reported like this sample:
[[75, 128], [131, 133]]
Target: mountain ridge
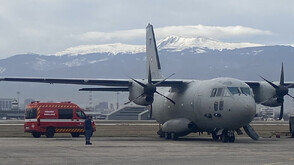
[[171, 43], [189, 63]]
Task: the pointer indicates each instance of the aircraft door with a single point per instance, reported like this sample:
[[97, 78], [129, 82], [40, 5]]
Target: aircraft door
[[197, 105]]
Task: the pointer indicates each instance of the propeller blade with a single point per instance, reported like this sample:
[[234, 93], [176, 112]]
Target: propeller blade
[[150, 112], [165, 97], [272, 84], [282, 111], [163, 80], [290, 85], [250, 132], [143, 85], [282, 76], [134, 99], [149, 76], [290, 96]]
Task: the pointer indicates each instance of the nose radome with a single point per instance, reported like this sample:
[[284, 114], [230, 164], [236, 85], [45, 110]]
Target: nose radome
[[246, 110], [240, 113]]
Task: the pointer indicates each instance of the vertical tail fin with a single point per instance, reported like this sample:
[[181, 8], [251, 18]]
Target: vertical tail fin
[[152, 59]]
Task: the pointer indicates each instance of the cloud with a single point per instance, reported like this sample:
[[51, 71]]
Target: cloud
[[115, 35], [216, 32]]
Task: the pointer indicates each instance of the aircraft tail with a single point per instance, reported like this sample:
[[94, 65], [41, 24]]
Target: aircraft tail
[[152, 59]]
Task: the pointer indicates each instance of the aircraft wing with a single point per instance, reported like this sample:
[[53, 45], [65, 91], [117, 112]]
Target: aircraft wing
[[97, 82], [78, 81], [256, 84], [253, 84]]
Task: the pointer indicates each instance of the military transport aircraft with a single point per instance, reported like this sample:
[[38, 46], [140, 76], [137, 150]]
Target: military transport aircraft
[[219, 106]]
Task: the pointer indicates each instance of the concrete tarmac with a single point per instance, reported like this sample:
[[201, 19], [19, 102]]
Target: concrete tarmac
[[145, 150]]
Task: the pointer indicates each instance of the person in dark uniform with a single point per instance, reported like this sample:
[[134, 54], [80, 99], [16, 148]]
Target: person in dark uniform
[[88, 129]]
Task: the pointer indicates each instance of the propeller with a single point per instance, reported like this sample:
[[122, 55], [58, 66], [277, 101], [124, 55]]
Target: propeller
[[150, 90], [281, 91]]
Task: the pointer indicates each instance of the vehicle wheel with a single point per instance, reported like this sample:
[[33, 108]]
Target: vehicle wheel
[[75, 134], [167, 135], [50, 132], [36, 134], [173, 136], [215, 137]]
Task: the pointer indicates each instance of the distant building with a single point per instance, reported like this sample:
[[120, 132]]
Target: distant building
[[129, 113], [101, 106], [8, 104], [267, 113]]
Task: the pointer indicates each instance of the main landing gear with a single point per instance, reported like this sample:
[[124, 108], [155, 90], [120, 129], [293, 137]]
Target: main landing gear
[[227, 136], [167, 135]]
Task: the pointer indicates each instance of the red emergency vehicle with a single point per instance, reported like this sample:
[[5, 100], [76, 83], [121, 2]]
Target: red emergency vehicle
[[49, 118]]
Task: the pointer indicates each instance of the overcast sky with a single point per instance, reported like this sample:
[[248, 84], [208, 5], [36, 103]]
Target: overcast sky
[[46, 27]]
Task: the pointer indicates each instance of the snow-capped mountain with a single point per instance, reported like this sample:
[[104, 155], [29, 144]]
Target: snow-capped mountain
[[113, 49], [176, 43], [172, 44], [191, 58]]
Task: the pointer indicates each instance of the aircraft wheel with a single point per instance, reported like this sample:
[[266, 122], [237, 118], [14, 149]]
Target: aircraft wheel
[[36, 134], [173, 136], [167, 135], [231, 139], [160, 133], [50, 132], [225, 137], [215, 137], [293, 134]]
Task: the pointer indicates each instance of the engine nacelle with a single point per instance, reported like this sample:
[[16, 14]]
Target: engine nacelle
[[273, 102], [135, 90], [265, 95], [180, 126]]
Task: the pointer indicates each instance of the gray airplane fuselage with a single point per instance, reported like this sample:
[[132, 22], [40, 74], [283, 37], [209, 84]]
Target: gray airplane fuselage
[[201, 103]]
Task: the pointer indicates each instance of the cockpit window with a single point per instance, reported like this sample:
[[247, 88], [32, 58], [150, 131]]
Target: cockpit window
[[234, 90], [226, 93], [245, 90], [219, 92], [213, 92]]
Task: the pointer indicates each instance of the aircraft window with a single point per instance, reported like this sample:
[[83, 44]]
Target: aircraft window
[[215, 106], [234, 90], [213, 92], [221, 105], [245, 90], [219, 92], [226, 93]]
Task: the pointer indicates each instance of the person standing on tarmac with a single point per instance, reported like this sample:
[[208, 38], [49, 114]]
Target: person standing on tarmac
[[88, 129]]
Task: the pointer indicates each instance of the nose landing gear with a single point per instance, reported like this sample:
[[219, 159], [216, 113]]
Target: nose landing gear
[[227, 136]]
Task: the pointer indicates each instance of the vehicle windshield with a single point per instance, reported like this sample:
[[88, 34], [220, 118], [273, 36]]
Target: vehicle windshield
[[80, 114], [31, 113]]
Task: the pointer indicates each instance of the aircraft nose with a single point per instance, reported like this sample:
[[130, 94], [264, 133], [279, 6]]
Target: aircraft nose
[[246, 110], [241, 113]]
